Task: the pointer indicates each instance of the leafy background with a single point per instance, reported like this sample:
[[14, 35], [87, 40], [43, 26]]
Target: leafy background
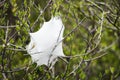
[[92, 39]]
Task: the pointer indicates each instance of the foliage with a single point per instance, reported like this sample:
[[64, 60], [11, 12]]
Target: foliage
[[91, 39]]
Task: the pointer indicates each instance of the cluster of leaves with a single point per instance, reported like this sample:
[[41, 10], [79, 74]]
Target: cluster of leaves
[[91, 39]]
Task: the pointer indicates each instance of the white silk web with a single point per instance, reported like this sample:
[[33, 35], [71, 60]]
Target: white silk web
[[46, 45]]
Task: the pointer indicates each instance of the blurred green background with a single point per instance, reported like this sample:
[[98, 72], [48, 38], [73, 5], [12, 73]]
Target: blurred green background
[[94, 43]]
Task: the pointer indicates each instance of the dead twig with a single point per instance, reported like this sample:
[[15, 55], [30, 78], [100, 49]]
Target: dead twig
[[5, 27]]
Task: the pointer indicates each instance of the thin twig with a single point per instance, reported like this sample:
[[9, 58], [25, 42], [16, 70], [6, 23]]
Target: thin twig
[[96, 57], [4, 52], [15, 70], [8, 26], [95, 5], [32, 28], [2, 3], [76, 67], [16, 49], [16, 46], [74, 28]]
